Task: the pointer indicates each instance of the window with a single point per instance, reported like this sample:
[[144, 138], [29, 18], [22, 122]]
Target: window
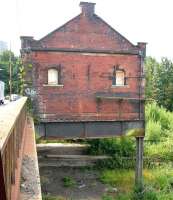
[[119, 77], [52, 77]]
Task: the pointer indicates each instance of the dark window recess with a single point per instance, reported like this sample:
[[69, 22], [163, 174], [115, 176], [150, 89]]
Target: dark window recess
[[59, 75]]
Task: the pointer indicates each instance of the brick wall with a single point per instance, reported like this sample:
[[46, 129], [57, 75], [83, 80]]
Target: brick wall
[[86, 78], [85, 50]]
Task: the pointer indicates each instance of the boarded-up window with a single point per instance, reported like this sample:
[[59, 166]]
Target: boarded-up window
[[119, 77], [53, 77]]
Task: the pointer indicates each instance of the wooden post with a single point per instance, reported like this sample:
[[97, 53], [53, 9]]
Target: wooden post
[[10, 78], [139, 161]]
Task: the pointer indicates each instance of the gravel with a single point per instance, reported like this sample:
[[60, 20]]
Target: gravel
[[29, 180]]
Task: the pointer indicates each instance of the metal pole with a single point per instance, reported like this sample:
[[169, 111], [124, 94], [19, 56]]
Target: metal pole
[[139, 161]]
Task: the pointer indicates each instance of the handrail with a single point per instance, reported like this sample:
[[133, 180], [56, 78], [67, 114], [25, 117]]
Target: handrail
[[12, 124]]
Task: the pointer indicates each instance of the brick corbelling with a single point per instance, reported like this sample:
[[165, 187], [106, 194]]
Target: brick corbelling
[[85, 50]]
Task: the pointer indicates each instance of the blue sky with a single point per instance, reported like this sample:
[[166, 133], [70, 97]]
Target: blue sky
[[138, 20]]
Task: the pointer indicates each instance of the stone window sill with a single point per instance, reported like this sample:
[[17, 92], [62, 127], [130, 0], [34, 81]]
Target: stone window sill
[[49, 85], [118, 86]]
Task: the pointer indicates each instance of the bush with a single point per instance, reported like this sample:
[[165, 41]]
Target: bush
[[153, 130], [117, 148], [161, 117], [68, 181], [112, 146], [159, 128], [144, 193]]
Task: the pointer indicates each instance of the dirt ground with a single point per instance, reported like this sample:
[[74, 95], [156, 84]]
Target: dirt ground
[[84, 183]]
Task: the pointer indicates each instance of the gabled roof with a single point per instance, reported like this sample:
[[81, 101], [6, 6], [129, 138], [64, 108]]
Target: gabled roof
[[85, 32]]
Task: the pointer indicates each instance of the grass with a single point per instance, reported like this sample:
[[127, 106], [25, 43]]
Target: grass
[[68, 181], [50, 197], [116, 197], [118, 178], [158, 183]]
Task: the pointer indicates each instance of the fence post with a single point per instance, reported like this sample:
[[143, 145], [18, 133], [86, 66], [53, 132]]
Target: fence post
[[139, 161]]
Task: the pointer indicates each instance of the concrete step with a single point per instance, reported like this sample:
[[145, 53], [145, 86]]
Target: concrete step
[[61, 149], [51, 160]]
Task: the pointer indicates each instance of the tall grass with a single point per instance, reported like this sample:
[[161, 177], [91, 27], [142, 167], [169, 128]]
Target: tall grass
[[158, 184], [160, 119]]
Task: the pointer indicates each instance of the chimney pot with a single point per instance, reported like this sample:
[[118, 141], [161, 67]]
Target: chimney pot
[[88, 9]]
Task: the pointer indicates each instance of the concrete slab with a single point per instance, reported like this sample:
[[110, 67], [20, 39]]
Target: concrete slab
[[30, 178]]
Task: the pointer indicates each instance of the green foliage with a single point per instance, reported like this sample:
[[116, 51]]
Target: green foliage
[[107, 197], [68, 181], [50, 197], [4, 74], [117, 148], [154, 130], [150, 74], [164, 84], [159, 122], [158, 184], [144, 193], [159, 114], [158, 153], [160, 180], [159, 81], [112, 146], [21, 77], [18, 72], [123, 197], [116, 161], [118, 177], [159, 128], [116, 197]]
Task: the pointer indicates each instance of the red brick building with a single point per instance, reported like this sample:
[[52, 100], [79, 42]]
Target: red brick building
[[88, 78]]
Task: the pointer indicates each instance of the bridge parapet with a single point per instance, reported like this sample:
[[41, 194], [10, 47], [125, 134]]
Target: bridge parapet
[[12, 129]]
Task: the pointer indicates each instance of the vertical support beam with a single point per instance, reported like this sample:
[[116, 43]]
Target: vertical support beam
[[139, 161], [45, 133]]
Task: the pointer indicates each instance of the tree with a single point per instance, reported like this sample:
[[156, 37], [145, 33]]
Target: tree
[[151, 66], [159, 81], [4, 73], [164, 84]]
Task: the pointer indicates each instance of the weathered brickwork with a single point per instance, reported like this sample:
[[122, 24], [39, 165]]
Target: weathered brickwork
[[86, 51]]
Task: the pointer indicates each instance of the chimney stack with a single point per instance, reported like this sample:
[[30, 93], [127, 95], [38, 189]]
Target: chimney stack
[[26, 41], [88, 9], [142, 46]]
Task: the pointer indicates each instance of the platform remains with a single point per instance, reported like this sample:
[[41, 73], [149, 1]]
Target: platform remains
[[30, 178]]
